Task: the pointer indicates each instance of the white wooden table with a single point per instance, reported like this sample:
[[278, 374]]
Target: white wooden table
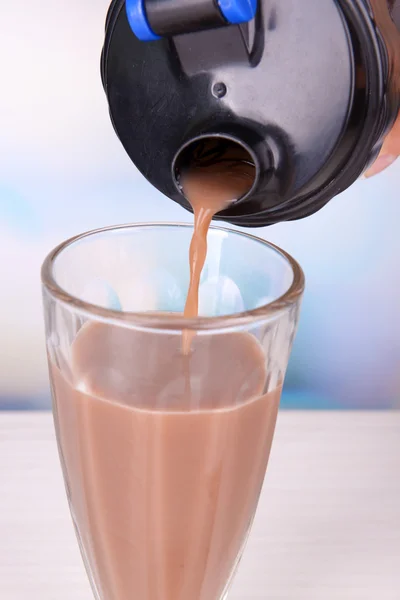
[[328, 524]]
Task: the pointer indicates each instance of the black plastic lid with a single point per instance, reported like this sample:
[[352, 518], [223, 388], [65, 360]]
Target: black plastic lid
[[304, 87]]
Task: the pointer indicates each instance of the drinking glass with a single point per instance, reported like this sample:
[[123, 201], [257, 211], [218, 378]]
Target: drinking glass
[[164, 450]]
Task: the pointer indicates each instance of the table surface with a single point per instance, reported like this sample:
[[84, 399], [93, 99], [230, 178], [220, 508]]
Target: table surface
[[327, 527]]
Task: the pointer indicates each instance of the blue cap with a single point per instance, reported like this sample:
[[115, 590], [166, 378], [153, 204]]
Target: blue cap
[[234, 11], [238, 11], [137, 18]]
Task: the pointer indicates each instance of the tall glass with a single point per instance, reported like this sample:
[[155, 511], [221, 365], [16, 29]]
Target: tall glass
[[164, 451]]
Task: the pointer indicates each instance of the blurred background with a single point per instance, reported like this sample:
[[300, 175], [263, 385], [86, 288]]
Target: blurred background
[[63, 171]]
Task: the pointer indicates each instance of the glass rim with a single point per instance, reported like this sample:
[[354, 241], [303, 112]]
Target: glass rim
[[173, 321]]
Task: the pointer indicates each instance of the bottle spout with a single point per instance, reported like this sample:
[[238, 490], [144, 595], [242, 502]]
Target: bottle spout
[[223, 154]]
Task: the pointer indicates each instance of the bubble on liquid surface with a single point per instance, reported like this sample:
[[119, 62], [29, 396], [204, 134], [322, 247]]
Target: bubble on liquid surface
[[220, 296]]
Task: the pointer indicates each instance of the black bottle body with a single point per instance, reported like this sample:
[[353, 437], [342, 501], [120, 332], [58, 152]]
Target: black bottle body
[[308, 88]]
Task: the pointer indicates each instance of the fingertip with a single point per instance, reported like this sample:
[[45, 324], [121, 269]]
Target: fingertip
[[382, 162]]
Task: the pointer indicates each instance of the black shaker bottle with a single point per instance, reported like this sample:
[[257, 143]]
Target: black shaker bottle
[[307, 88]]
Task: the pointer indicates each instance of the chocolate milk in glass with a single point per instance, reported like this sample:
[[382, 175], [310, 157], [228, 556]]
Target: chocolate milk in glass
[[164, 474]]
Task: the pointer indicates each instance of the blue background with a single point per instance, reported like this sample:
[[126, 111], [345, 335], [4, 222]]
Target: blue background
[[62, 171]]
